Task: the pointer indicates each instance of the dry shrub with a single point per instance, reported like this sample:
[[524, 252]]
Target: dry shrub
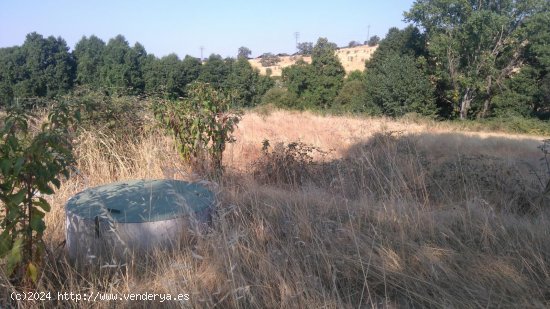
[[392, 166], [290, 164]]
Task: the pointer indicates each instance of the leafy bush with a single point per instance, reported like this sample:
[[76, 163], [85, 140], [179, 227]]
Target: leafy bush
[[120, 115], [31, 164], [353, 98], [202, 123], [398, 86], [511, 124], [279, 97]]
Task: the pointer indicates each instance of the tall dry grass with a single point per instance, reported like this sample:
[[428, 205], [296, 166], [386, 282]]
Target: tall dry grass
[[395, 215]]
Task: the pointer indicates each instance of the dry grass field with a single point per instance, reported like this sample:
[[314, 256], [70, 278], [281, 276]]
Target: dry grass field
[[351, 58], [355, 213]]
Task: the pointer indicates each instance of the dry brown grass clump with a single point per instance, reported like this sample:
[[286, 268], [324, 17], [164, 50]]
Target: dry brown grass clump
[[393, 216]]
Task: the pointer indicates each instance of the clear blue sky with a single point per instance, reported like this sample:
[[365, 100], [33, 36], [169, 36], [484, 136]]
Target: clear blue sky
[[183, 26]]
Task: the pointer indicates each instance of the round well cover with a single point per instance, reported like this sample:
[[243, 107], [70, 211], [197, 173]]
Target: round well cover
[[137, 201]]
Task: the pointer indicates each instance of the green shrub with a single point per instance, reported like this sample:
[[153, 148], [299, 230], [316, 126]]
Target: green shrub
[[119, 115], [511, 124], [202, 123], [353, 98], [280, 97], [398, 86], [32, 165]]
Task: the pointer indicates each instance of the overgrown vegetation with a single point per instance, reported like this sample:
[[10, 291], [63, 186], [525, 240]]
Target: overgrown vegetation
[[436, 219], [383, 213]]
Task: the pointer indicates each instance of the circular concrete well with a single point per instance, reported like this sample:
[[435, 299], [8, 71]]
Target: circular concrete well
[[134, 216]]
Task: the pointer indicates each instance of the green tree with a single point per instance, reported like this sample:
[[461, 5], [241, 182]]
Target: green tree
[[353, 44], [121, 71], [474, 47], [244, 52], [373, 41], [215, 71], [191, 67], [298, 79], [519, 95], [152, 75], [527, 91], [246, 83], [397, 85], [280, 97], [408, 41], [41, 67], [165, 75], [12, 70], [305, 48], [355, 75], [328, 72], [317, 84], [88, 54], [353, 98], [396, 77]]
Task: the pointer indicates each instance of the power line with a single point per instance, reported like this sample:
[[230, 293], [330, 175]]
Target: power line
[[202, 48], [297, 36]]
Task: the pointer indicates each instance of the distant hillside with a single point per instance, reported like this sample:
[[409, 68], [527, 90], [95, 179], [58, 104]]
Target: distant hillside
[[351, 58]]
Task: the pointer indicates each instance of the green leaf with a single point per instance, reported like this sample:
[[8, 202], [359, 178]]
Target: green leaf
[[5, 165], [18, 165], [18, 197], [5, 243], [42, 203], [37, 212], [32, 272], [37, 224], [14, 256], [56, 183], [44, 188]]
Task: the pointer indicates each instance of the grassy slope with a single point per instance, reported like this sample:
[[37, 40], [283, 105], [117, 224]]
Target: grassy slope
[[396, 214], [352, 59]]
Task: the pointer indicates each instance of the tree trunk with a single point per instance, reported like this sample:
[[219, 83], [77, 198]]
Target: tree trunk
[[466, 104], [485, 111], [487, 103]]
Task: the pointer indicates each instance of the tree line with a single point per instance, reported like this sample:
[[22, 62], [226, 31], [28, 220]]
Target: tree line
[[45, 68], [458, 59]]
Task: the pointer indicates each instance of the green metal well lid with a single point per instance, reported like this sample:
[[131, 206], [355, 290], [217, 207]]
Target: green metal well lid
[[138, 201]]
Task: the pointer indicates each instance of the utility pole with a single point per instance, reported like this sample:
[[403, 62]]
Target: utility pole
[[297, 36], [202, 48]]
